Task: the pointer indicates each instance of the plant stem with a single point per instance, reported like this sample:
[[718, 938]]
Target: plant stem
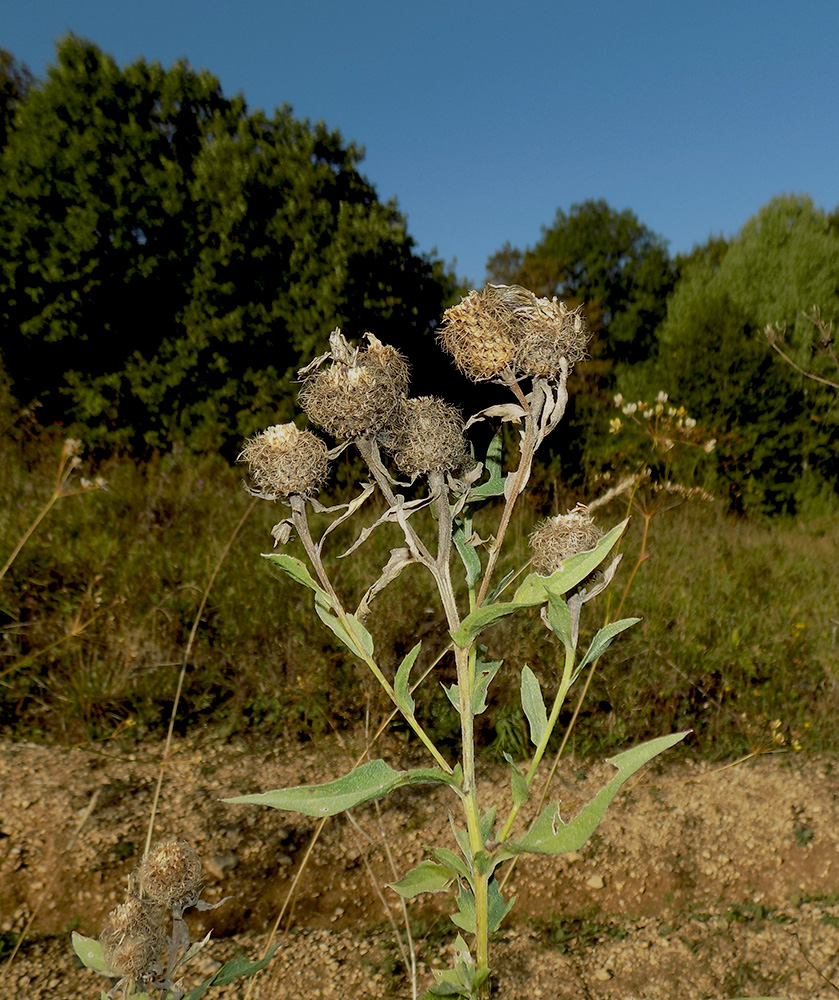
[[301, 524], [559, 701]]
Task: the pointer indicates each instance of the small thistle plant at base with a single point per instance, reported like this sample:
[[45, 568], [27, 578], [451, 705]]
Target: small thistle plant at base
[[145, 939], [359, 397]]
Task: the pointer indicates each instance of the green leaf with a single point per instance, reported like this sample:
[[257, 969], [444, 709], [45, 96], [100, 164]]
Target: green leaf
[[89, 951], [401, 683], [601, 642], [465, 916], [236, 968], [549, 835], [452, 861], [359, 641], [487, 823], [428, 876], [559, 616], [453, 694], [488, 614], [535, 589], [494, 485], [370, 781], [296, 569], [468, 555], [534, 705], [497, 909], [483, 678], [518, 781]]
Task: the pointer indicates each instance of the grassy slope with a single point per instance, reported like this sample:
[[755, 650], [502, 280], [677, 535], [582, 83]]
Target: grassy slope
[[738, 641]]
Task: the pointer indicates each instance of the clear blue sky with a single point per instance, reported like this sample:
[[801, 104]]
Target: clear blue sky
[[483, 118]]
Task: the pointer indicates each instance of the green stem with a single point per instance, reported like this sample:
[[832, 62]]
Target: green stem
[[559, 701], [298, 516]]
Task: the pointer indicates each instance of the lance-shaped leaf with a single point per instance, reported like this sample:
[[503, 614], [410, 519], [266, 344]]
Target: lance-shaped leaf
[[370, 781], [535, 588], [402, 682], [462, 537], [601, 642], [358, 641], [452, 861], [562, 621], [518, 781], [428, 876], [296, 569], [549, 835], [236, 968], [473, 624], [483, 677], [534, 705]]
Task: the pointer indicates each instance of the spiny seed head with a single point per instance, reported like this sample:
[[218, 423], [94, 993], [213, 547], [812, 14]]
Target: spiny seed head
[[133, 937], [359, 392], [388, 362], [558, 538], [430, 437], [284, 461], [479, 333], [171, 874], [549, 332]]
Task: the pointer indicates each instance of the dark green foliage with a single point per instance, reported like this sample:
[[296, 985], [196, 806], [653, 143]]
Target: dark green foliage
[[15, 81], [168, 259], [620, 272], [606, 260], [777, 431]]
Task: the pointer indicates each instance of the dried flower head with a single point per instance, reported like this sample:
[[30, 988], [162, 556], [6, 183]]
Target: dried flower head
[[479, 332], [359, 392], [558, 538], [549, 332], [171, 874], [133, 937], [284, 461], [431, 437]]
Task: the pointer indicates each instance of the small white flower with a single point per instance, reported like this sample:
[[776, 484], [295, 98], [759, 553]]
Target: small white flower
[[629, 409], [659, 409], [647, 414], [662, 397], [618, 399], [615, 425], [710, 445], [690, 423]]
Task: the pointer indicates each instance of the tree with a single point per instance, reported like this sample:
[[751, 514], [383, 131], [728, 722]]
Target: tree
[[778, 431], [606, 260], [173, 258], [15, 81], [620, 273]]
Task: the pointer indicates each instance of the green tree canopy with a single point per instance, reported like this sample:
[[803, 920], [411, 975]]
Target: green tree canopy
[[15, 81], [606, 260], [168, 259], [778, 432]]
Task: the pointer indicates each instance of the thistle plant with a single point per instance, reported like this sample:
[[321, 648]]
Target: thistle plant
[[359, 397], [145, 939]]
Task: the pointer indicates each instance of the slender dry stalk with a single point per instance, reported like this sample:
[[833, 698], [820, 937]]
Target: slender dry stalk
[[193, 632]]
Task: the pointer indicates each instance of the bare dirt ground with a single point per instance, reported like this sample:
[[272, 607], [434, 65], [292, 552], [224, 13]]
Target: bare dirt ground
[[701, 881]]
